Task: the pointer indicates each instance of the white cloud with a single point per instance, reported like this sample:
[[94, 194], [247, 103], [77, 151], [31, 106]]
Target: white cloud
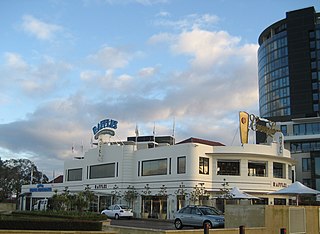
[[34, 80], [15, 61], [189, 22], [161, 38], [88, 75], [147, 71], [111, 58], [208, 48], [38, 28]]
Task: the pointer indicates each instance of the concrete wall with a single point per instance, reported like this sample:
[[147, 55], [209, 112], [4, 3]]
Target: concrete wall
[[7, 207], [296, 219], [248, 215]]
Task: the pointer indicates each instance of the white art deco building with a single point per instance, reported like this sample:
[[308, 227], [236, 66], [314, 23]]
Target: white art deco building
[[188, 172]]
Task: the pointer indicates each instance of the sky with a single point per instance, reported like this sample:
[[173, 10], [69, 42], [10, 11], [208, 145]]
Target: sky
[[181, 67]]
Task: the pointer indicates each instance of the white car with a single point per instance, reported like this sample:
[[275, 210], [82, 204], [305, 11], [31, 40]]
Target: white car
[[118, 211]]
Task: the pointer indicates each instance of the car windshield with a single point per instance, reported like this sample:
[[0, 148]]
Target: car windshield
[[124, 207], [209, 211]]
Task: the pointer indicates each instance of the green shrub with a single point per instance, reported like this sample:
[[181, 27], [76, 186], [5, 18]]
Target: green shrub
[[90, 216], [39, 224]]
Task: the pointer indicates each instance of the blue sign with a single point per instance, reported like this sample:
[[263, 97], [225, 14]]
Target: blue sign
[[40, 188], [107, 125]]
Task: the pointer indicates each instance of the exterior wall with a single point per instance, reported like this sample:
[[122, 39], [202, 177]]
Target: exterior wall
[[129, 164]]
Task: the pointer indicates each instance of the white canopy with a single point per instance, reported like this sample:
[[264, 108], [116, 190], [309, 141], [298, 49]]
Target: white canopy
[[296, 189], [237, 194]]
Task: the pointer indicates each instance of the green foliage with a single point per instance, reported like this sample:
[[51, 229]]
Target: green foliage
[[116, 194], [130, 195], [89, 216], [44, 221], [198, 194], [68, 202], [16, 172]]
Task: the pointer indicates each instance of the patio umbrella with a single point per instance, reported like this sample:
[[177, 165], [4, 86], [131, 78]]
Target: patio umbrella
[[237, 194], [296, 189]]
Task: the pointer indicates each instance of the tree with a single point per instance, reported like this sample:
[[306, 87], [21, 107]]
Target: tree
[[181, 193], [163, 199], [198, 194], [116, 194], [16, 172], [130, 195]]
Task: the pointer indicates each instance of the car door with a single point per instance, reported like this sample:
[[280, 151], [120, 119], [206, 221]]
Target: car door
[[196, 217], [116, 210], [109, 211], [185, 216]]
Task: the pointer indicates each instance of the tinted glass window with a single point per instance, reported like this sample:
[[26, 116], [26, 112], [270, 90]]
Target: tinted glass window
[[154, 167], [181, 164], [102, 171], [204, 165], [75, 174]]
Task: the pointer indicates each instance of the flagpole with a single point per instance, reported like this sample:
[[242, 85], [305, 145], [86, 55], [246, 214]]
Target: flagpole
[[137, 134], [154, 133]]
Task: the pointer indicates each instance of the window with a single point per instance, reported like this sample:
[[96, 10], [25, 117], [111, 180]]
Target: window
[[317, 166], [307, 182], [278, 170], [204, 166], [154, 167], [290, 172], [181, 165], [228, 168], [75, 174], [306, 164], [279, 201], [257, 169], [102, 171], [284, 130]]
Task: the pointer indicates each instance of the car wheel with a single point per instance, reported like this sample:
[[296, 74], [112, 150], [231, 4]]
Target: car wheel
[[207, 223], [178, 224], [116, 216]]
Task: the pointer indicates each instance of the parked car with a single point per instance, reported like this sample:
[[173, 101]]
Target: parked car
[[118, 211], [198, 216]]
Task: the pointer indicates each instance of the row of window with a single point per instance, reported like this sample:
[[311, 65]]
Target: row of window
[[275, 64], [272, 56], [273, 75], [267, 87], [278, 41], [305, 147], [280, 107], [108, 170], [278, 98], [271, 113], [306, 129], [160, 167]]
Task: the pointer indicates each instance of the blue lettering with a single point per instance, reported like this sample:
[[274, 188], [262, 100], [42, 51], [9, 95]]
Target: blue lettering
[[105, 123]]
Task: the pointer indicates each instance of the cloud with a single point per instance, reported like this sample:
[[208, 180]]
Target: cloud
[[192, 21], [15, 61], [147, 71], [38, 28], [207, 48], [218, 80], [33, 80], [111, 58]]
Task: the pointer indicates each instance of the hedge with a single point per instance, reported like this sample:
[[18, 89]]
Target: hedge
[[65, 225]]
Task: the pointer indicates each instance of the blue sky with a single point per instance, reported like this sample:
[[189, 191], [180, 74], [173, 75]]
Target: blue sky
[[65, 65]]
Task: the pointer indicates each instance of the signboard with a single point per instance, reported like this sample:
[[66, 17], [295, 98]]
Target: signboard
[[252, 122], [105, 126], [40, 188]]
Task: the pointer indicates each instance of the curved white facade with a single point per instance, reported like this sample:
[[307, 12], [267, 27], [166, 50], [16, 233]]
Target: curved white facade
[[176, 170]]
